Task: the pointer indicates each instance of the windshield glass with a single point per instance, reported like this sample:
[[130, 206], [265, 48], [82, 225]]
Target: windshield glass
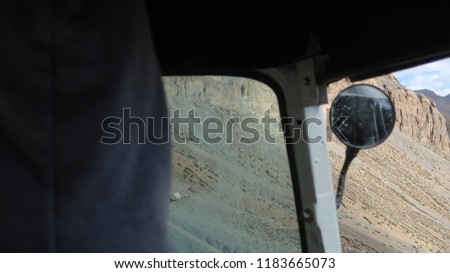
[[231, 189]]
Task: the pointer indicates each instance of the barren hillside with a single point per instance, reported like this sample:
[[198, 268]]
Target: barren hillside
[[235, 197]]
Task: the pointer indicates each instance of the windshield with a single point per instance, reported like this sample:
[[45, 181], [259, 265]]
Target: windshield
[[231, 187]]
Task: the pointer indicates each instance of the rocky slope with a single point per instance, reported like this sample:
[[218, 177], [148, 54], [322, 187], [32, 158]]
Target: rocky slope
[[238, 197], [442, 104]]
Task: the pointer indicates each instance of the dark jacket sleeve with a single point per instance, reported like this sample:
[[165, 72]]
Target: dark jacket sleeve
[[67, 70]]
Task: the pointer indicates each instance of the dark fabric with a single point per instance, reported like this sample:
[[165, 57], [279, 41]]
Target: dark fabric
[[65, 66]]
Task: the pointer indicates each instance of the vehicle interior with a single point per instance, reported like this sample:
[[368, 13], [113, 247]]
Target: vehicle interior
[[297, 50]]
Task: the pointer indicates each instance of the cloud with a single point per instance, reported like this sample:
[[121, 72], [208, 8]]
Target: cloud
[[434, 76]]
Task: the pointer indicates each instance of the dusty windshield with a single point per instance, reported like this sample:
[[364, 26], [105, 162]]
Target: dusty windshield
[[232, 189]]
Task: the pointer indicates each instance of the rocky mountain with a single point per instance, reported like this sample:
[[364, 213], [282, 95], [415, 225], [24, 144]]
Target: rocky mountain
[[442, 104], [238, 197]]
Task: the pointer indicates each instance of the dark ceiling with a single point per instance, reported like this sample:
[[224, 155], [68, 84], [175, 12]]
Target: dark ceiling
[[214, 37]]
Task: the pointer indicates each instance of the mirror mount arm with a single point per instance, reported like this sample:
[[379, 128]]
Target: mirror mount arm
[[350, 154]]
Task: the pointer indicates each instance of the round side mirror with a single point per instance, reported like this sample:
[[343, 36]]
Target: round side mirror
[[362, 116]]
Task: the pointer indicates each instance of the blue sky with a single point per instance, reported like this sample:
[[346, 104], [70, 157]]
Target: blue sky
[[434, 76]]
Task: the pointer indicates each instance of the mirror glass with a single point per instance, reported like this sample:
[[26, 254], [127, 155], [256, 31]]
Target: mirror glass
[[362, 116]]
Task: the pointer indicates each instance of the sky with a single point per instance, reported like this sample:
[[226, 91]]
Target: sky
[[434, 76]]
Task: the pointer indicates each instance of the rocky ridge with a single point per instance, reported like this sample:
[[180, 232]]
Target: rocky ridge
[[442, 103]]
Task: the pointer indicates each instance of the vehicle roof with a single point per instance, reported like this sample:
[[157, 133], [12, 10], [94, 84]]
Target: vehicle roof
[[225, 37]]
